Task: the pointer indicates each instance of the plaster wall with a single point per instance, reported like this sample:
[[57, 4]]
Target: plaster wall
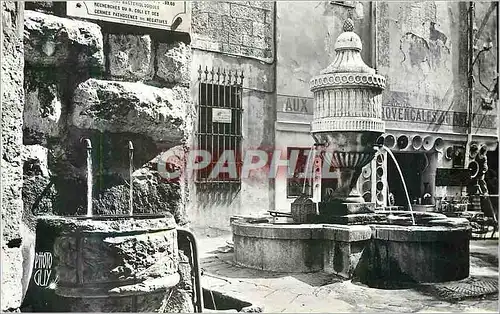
[[237, 36], [422, 50]]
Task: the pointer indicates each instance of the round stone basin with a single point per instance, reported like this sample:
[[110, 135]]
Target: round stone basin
[[435, 252], [108, 263], [416, 254], [278, 247]]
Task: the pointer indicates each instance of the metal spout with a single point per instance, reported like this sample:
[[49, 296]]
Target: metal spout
[[88, 145]]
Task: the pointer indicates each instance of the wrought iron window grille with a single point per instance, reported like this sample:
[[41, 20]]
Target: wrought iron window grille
[[219, 127]]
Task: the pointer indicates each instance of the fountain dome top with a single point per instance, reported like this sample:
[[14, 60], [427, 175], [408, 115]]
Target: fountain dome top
[[348, 58]]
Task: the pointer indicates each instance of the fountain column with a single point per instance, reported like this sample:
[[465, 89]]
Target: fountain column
[[347, 122]]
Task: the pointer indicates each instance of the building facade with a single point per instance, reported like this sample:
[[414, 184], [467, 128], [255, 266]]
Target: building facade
[[421, 48]]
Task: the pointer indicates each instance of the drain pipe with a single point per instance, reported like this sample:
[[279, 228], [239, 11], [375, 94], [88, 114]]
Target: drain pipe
[[197, 290]]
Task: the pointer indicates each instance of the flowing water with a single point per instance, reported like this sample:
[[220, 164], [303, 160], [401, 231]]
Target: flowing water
[[131, 170], [402, 181], [89, 179]]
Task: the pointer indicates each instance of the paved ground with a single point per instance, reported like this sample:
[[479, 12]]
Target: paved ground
[[320, 292]]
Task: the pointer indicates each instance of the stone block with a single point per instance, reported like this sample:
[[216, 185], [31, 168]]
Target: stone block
[[214, 21], [234, 49], [253, 41], [174, 62], [199, 22], [12, 113], [254, 52], [245, 12], [342, 258], [269, 17], [49, 7], [218, 7], [283, 255], [38, 195], [347, 233], [60, 42], [262, 30], [237, 26], [267, 5], [158, 113], [12, 272], [235, 39], [12, 204], [130, 57], [42, 112]]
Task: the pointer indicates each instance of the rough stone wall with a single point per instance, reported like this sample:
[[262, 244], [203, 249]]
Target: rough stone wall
[[11, 164], [111, 84], [243, 28]]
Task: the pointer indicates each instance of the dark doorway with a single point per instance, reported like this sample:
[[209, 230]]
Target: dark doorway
[[412, 165]]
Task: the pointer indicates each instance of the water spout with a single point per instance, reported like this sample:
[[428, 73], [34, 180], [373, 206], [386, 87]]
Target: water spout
[[89, 176], [402, 179], [131, 170]]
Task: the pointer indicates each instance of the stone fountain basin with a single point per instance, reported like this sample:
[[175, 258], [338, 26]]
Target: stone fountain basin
[[102, 259], [369, 252]]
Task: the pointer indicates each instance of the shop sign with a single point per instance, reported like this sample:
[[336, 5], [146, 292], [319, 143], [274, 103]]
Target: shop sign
[[294, 104], [440, 117], [168, 15], [221, 115]]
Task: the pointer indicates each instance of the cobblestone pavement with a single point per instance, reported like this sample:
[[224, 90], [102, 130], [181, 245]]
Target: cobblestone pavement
[[321, 292]]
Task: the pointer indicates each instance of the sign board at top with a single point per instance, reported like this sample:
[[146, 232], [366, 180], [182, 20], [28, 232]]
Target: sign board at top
[[168, 15]]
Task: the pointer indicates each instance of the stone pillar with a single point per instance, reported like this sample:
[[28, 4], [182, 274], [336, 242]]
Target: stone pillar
[[12, 142]]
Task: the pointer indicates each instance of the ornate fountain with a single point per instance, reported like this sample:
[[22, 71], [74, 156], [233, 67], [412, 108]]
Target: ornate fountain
[[348, 237], [347, 122]]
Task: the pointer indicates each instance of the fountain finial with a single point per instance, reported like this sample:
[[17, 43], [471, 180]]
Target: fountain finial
[[348, 24]]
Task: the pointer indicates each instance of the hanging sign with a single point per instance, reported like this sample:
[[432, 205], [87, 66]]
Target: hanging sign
[[168, 15], [221, 115]]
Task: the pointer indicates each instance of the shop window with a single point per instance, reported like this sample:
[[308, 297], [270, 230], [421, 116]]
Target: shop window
[[297, 178], [219, 123]]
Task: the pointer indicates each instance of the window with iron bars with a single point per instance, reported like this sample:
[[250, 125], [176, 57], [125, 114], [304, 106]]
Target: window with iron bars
[[220, 122]]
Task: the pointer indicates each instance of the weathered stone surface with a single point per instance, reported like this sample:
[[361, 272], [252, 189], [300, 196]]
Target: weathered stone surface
[[174, 62], [178, 301], [12, 272], [38, 191], [42, 112], [151, 194], [11, 164], [12, 108], [130, 57], [159, 113], [140, 256], [41, 6], [55, 41]]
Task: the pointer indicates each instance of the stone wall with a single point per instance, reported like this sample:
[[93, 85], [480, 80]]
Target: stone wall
[[242, 28], [14, 233], [110, 84]]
